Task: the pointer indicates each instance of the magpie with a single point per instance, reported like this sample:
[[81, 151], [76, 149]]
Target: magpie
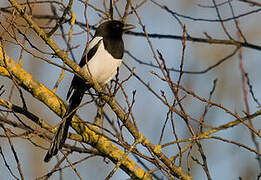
[[104, 57]]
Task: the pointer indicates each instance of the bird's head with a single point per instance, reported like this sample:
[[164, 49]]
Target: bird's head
[[113, 28]]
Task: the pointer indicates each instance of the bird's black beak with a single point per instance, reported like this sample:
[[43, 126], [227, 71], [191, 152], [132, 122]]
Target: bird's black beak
[[128, 27]]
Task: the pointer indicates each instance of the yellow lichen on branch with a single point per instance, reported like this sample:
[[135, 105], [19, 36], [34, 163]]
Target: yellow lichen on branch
[[40, 92], [176, 171]]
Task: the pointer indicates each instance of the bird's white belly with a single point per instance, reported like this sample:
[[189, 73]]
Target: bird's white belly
[[102, 66]]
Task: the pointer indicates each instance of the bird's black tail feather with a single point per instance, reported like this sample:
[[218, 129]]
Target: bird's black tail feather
[[61, 134]]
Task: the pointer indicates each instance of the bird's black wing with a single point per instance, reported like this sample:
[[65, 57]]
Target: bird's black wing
[[78, 87], [78, 82]]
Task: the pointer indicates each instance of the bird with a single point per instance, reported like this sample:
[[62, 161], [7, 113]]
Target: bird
[[104, 57]]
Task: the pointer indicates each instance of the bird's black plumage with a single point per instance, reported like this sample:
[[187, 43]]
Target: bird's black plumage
[[104, 56]]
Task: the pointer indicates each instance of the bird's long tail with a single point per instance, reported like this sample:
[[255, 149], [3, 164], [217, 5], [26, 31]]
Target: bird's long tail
[[61, 134]]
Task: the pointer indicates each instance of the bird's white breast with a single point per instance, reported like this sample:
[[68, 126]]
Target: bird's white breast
[[102, 66]]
